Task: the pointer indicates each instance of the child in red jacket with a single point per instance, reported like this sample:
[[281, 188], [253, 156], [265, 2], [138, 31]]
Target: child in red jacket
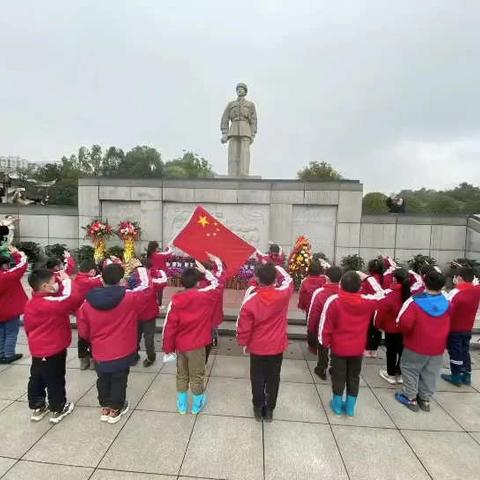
[[47, 325], [385, 320], [464, 301], [157, 281], [108, 319], [12, 302], [320, 296], [372, 285], [86, 280], [343, 327], [187, 331], [219, 271], [262, 331], [424, 321], [315, 279]]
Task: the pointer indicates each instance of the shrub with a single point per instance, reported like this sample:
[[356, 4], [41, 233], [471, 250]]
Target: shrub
[[84, 252], [32, 250], [419, 261], [352, 262], [55, 250], [464, 262], [115, 251]]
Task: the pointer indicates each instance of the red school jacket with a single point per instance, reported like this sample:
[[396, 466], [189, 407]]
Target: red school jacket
[[12, 295], [85, 282], [308, 286], [464, 301], [319, 298], [109, 317], [262, 322], [221, 275], [424, 320], [189, 320], [159, 259], [344, 322], [47, 321], [386, 318], [157, 281]]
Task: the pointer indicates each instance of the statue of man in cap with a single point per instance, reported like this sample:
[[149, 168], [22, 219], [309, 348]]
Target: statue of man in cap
[[239, 127]]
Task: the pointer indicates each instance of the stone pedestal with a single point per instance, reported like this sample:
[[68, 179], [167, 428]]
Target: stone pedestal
[[258, 210]]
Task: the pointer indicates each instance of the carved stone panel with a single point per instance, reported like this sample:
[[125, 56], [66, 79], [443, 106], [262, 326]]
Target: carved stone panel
[[251, 222]]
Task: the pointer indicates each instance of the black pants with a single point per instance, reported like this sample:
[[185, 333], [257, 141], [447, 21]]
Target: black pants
[[346, 371], [47, 377], [147, 329], [265, 378], [394, 344], [374, 337], [112, 388], [458, 345], [322, 361], [83, 348]]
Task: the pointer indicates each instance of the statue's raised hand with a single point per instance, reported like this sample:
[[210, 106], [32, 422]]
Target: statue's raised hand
[[224, 138]]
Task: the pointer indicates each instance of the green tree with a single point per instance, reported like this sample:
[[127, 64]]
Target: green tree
[[319, 172], [190, 165], [140, 162], [374, 203]]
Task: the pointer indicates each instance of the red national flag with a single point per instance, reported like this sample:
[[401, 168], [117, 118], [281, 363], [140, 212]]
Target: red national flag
[[205, 234]]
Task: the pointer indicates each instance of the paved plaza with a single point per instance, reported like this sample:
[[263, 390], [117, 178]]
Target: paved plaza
[[305, 440]]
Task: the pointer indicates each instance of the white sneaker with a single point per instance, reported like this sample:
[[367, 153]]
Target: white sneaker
[[392, 380], [105, 414], [116, 415], [39, 413], [57, 417], [399, 379]]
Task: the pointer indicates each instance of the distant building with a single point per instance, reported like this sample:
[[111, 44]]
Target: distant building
[[9, 164]]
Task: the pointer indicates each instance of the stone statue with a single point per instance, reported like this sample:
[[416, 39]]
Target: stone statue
[[239, 127]]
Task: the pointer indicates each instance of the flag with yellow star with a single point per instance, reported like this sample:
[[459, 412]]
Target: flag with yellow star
[[205, 234]]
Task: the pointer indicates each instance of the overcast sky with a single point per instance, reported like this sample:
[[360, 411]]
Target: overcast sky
[[386, 91]]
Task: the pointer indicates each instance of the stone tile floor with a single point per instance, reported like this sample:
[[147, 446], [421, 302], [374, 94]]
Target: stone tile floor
[[305, 441]]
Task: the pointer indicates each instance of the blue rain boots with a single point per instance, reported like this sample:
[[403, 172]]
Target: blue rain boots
[[199, 401], [336, 404], [454, 379], [350, 405], [182, 402], [466, 378]]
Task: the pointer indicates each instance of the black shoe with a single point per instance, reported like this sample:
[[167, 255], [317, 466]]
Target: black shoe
[[322, 374], [268, 414], [148, 362], [13, 358], [423, 404], [258, 412]]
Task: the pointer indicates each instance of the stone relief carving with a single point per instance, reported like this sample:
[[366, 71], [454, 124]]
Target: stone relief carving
[[251, 222]]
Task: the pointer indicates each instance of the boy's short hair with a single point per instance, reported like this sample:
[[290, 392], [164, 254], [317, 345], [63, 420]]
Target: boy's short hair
[[351, 282], [112, 274], [334, 274], [38, 277], [266, 273], [190, 277], [434, 280], [86, 265], [376, 266], [466, 273], [274, 248], [315, 268], [52, 262]]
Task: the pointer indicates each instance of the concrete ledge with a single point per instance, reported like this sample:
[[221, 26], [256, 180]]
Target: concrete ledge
[[7, 209]]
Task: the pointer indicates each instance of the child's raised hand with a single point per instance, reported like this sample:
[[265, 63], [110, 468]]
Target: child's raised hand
[[200, 267]]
